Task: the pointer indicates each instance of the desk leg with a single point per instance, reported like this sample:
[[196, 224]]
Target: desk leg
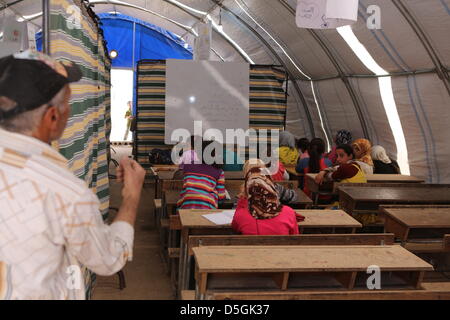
[[182, 265], [353, 230]]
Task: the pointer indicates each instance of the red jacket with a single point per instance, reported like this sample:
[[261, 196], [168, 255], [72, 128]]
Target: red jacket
[[283, 224]]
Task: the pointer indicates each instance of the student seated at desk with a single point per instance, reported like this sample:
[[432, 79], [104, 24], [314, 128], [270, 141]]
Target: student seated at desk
[[302, 147], [347, 171], [231, 160], [259, 211], [342, 137], [316, 161], [361, 151], [189, 156], [382, 164], [203, 185], [287, 151], [286, 195]]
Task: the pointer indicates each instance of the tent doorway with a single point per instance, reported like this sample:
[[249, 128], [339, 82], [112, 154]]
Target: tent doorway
[[121, 93]]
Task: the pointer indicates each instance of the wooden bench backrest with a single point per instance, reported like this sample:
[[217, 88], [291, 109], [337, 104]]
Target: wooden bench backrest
[[229, 184], [302, 239], [447, 242]]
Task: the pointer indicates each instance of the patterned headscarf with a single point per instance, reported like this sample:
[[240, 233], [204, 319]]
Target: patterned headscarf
[[379, 153], [365, 147], [287, 139], [263, 200], [253, 163], [343, 137]]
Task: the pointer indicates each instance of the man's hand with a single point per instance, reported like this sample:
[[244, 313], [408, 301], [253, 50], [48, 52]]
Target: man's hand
[[132, 175], [319, 177]]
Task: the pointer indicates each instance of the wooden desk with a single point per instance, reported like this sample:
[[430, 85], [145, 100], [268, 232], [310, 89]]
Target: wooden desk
[[327, 219], [361, 198], [289, 267], [404, 220], [331, 187], [234, 175], [172, 196], [161, 173], [193, 223]]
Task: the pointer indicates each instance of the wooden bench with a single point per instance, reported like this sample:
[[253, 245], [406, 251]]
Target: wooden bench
[[430, 291], [282, 268], [192, 241]]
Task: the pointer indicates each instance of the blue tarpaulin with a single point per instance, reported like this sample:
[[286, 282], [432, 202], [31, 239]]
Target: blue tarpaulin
[[151, 42]]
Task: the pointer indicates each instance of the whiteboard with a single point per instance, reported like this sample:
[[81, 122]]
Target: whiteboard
[[215, 93]]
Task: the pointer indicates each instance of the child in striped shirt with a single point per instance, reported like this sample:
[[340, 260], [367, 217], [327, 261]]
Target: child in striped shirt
[[203, 186]]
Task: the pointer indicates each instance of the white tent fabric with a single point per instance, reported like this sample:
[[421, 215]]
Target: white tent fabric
[[412, 47]]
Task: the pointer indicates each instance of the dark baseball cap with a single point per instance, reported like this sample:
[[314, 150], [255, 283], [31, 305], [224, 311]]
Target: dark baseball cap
[[31, 79]]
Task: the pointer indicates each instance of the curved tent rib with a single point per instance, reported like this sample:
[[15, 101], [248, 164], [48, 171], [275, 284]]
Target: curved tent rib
[[186, 28], [341, 73], [440, 69], [279, 60]]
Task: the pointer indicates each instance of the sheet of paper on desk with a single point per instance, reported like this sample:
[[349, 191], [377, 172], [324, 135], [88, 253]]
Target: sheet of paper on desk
[[227, 195], [220, 218]]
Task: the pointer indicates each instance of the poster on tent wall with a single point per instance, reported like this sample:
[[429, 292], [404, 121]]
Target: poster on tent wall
[[326, 14], [267, 104], [74, 36], [213, 94]]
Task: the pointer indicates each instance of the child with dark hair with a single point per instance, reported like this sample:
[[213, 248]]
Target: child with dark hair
[[302, 146], [347, 171], [316, 161], [342, 137]]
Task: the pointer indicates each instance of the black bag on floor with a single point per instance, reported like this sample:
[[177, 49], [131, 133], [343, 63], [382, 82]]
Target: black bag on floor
[[159, 156]]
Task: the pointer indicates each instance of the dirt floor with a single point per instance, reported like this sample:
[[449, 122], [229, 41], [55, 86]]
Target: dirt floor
[[146, 277]]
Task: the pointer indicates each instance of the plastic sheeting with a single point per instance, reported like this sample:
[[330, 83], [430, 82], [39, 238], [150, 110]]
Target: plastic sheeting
[[150, 42]]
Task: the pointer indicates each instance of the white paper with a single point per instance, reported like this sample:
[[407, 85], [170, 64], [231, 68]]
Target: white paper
[[221, 218], [227, 195], [342, 9], [205, 95], [326, 14]]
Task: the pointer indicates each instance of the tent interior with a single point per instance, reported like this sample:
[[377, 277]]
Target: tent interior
[[393, 91], [386, 77]]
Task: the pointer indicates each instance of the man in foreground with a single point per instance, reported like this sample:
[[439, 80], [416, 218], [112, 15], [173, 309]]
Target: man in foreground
[[50, 222]]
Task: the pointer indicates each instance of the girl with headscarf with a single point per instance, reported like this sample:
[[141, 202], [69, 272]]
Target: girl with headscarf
[[382, 163], [286, 195], [362, 149], [259, 211], [342, 137], [287, 151]]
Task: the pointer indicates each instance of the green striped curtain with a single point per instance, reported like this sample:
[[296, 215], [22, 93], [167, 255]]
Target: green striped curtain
[[267, 104], [84, 140]]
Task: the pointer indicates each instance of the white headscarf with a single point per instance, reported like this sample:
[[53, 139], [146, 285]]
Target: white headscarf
[[378, 153]]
